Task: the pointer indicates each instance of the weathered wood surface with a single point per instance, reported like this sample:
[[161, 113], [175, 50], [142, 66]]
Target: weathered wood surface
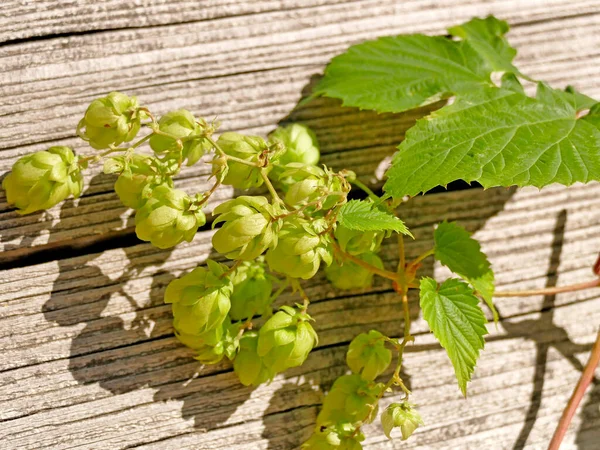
[[88, 356]]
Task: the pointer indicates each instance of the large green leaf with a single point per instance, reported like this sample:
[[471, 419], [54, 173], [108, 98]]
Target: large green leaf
[[453, 314], [394, 74], [363, 215], [457, 250], [486, 36], [499, 137]]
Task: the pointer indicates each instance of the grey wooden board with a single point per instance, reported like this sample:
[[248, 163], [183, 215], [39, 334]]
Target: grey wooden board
[[89, 360]]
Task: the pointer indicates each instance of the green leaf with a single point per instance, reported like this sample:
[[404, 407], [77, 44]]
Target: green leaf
[[486, 36], [453, 314], [394, 74], [363, 215], [457, 250], [498, 138]]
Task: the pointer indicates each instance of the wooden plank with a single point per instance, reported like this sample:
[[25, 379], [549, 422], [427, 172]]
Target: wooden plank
[[89, 358], [252, 86]]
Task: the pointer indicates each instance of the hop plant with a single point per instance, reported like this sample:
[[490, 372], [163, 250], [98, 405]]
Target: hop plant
[[252, 288], [300, 248], [286, 339], [111, 120], [248, 366], [401, 415], [248, 229], [349, 275], [168, 218], [43, 179], [246, 148], [368, 356], [200, 302], [191, 132], [351, 399]]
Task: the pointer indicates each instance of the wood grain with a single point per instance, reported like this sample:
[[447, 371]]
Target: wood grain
[[89, 359]]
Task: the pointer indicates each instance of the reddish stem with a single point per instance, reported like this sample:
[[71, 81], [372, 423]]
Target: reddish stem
[[585, 380]]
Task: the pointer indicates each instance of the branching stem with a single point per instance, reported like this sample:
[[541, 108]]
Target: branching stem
[[377, 271]]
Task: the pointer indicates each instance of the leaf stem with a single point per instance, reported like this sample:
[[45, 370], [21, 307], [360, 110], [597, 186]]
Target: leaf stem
[[584, 381], [377, 271], [270, 187], [550, 291], [422, 256], [359, 184]]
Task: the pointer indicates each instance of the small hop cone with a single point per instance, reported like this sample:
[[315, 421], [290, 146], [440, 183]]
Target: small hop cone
[[248, 228], [300, 143], [200, 302], [248, 366], [351, 399], [137, 179], [358, 242], [43, 179], [349, 275], [111, 120], [212, 345], [402, 415], [248, 148], [182, 124], [300, 248], [368, 356], [338, 437], [286, 339], [167, 218], [252, 289], [289, 175]]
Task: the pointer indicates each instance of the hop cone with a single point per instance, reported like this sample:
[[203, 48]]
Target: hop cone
[[349, 275], [200, 302], [338, 437], [182, 124], [43, 179], [300, 144], [251, 290], [111, 120], [212, 345], [167, 218], [138, 178], [248, 148], [402, 415], [285, 340], [368, 356], [248, 366], [358, 242], [351, 399], [248, 229], [300, 248]]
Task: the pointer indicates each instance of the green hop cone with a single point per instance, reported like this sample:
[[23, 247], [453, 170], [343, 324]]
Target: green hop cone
[[138, 177], [43, 179], [302, 184], [248, 366], [300, 144], [111, 120], [248, 227], [212, 345], [402, 415], [286, 339], [248, 148], [200, 302], [368, 356], [339, 437], [351, 399], [349, 275], [300, 248], [183, 125], [168, 217], [358, 242], [252, 289]]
